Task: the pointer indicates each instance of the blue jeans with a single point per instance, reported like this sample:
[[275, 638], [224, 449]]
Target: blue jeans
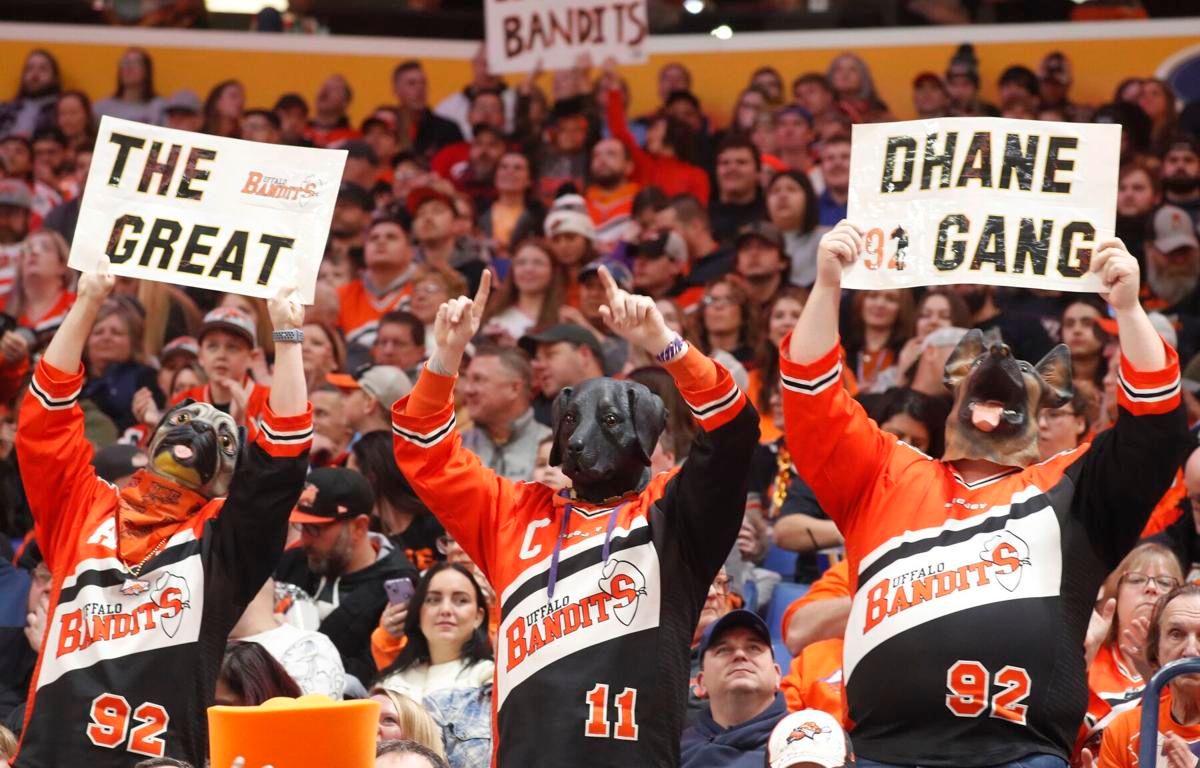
[[1031, 761]]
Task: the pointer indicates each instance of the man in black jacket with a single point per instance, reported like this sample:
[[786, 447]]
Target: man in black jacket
[[341, 564], [430, 132]]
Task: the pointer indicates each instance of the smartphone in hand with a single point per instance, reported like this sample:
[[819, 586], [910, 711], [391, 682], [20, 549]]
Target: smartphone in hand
[[399, 590]]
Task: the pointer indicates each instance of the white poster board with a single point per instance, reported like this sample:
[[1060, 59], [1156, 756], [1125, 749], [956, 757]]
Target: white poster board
[[982, 200], [204, 211], [522, 33]]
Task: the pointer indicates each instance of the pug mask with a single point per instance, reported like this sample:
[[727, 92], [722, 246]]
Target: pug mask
[[195, 445], [997, 398]]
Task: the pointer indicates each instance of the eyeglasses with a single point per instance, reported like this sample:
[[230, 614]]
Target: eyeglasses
[[1138, 581], [1053, 415]]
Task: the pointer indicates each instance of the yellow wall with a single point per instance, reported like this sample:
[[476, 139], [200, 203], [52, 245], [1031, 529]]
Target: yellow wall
[[89, 55]]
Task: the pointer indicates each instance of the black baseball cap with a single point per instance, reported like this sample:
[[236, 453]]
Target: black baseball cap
[[760, 230], [331, 495], [568, 332], [739, 618]]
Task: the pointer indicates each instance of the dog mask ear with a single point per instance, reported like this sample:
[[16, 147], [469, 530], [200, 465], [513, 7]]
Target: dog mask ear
[[1055, 372], [649, 417], [556, 412], [959, 364]]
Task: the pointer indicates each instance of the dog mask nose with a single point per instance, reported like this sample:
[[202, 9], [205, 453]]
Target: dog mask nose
[[1000, 350], [575, 445]]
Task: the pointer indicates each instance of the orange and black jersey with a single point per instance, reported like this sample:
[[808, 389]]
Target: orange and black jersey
[[129, 665], [598, 603], [964, 645]]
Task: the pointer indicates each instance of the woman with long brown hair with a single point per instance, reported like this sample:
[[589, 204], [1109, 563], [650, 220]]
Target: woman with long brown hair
[[779, 317], [223, 109], [881, 322], [531, 295], [727, 321]]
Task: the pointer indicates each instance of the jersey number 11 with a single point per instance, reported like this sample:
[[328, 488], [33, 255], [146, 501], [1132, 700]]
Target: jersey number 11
[[598, 726]]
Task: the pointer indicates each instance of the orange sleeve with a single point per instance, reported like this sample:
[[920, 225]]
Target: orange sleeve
[[837, 449], [385, 648], [1149, 392], [708, 389], [835, 582], [467, 498], [1168, 510], [55, 458]]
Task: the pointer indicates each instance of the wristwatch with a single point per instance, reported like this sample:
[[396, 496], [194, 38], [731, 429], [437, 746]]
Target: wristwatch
[[290, 335]]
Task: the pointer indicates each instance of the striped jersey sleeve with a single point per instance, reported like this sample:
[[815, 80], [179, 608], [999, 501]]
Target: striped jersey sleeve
[[837, 449], [1155, 392], [285, 436], [709, 390], [55, 456]]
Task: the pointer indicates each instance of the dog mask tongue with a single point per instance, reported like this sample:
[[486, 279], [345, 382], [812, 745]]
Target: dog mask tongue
[[986, 416]]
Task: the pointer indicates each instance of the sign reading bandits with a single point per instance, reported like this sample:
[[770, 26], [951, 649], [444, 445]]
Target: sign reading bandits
[[1021, 168], [573, 27], [133, 238]]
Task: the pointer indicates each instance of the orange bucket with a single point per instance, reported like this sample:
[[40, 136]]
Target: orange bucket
[[295, 733]]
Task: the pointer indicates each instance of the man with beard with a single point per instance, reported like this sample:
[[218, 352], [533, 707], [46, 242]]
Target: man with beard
[[342, 564], [761, 261], [476, 178], [33, 107], [1172, 271], [1023, 333], [610, 194], [1181, 175]]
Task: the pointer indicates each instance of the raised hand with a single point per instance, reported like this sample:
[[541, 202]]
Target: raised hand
[[285, 309], [144, 409], [1119, 273], [838, 249], [633, 318], [456, 324], [94, 287], [14, 346]]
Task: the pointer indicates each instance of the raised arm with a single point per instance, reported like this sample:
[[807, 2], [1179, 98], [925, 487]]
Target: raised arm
[[1150, 440], [289, 393], [54, 455], [837, 450]]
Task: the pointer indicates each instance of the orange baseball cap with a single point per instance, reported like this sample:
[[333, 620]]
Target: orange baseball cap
[[280, 733]]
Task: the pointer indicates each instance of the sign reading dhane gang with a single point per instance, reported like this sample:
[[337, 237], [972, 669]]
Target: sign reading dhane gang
[[223, 214], [523, 34], [982, 200]]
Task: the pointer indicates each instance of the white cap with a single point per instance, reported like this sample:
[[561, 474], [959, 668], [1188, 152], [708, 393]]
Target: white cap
[[808, 736], [569, 214]]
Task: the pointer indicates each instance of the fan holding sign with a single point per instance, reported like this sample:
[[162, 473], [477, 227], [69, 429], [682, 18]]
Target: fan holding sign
[[975, 575]]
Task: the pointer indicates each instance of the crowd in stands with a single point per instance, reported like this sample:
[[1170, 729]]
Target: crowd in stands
[[541, 182]]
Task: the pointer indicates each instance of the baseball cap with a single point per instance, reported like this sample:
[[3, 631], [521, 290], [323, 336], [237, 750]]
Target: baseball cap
[[1161, 323], [669, 243], [619, 271], [15, 193], [809, 736], [422, 195], [353, 194], [795, 109], [739, 618], [760, 230], [180, 345], [569, 214], [333, 494], [569, 332], [1173, 228], [385, 383], [183, 101], [230, 319], [117, 460]]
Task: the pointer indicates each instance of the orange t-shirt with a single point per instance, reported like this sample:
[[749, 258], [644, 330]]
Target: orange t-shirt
[[814, 679], [1120, 746], [1167, 511], [360, 310], [1112, 689]]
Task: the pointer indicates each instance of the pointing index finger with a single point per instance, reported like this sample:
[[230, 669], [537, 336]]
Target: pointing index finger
[[481, 295], [610, 285]]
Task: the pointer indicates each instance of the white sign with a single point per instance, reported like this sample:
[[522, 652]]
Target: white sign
[[523, 33], [204, 211], [982, 200]]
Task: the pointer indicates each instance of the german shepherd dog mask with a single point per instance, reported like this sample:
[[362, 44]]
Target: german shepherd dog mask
[[997, 398], [196, 445], [604, 434]]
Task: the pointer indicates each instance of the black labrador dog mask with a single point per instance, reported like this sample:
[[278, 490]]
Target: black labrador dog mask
[[605, 431], [997, 398], [195, 445]]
